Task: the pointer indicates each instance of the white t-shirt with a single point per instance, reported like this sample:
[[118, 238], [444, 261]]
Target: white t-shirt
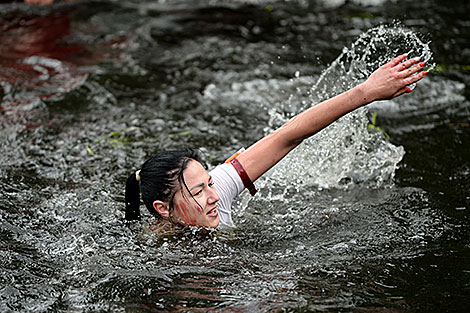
[[228, 185]]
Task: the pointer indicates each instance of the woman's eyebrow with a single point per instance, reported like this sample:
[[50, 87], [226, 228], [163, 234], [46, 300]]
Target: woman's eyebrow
[[201, 184], [197, 186]]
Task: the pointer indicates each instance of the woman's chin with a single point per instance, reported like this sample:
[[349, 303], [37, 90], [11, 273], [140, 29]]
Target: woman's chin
[[213, 223]]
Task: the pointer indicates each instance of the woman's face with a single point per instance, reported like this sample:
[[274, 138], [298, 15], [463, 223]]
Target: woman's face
[[199, 205]]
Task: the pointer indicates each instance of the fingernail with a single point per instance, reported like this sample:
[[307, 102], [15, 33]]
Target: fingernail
[[425, 72], [409, 89], [422, 64]]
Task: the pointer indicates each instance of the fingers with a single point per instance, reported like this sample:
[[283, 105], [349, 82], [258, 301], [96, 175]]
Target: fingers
[[409, 81], [397, 60], [392, 79], [403, 90], [406, 64], [404, 67], [412, 70], [410, 73], [413, 79]]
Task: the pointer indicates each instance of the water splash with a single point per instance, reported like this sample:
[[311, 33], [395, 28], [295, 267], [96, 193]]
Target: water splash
[[345, 153], [371, 50]]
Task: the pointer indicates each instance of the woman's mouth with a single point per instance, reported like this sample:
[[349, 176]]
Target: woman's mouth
[[213, 212]]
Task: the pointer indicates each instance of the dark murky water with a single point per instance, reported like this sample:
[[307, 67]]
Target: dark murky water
[[92, 89]]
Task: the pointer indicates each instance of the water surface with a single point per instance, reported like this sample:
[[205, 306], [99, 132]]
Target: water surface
[[351, 222]]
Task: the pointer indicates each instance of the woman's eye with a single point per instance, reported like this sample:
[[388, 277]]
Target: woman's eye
[[211, 184], [197, 193]]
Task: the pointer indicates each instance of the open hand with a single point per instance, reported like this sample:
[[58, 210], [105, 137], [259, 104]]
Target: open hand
[[393, 78]]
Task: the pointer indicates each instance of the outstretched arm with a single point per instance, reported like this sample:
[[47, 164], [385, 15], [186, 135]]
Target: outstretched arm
[[389, 81]]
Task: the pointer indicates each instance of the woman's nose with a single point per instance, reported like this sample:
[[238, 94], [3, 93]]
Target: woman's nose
[[213, 196]]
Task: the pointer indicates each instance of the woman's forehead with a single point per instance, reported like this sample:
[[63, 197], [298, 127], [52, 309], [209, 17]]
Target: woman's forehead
[[195, 173]]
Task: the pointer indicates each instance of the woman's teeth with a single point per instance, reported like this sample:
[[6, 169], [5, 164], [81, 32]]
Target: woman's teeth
[[211, 211]]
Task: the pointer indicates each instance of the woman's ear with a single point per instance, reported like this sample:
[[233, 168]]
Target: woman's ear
[[162, 208]]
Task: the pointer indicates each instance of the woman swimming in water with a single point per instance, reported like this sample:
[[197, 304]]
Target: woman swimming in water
[[176, 187]]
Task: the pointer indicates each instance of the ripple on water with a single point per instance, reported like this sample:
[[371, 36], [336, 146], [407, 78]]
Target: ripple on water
[[306, 241]]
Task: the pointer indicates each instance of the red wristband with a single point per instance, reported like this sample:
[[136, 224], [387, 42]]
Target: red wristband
[[244, 176]]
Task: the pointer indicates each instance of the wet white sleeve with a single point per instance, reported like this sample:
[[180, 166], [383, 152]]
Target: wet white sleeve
[[228, 185]]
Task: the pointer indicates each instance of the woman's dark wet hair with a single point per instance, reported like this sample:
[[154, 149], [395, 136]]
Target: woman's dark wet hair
[[160, 178]]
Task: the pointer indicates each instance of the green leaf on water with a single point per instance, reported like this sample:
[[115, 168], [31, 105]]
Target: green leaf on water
[[188, 132], [362, 15], [115, 133], [373, 126], [88, 149], [115, 141], [452, 124], [449, 67]]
